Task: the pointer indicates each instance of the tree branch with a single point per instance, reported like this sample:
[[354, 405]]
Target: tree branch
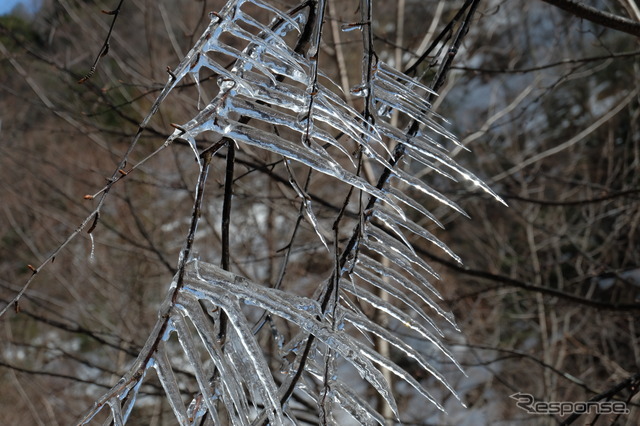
[[597, 16], [592, 303]]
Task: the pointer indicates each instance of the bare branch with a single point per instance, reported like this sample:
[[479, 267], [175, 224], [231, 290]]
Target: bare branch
[[597, 16]]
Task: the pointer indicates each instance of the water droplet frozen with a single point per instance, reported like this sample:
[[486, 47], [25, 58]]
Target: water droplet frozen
[[351, 27], [359, 90]]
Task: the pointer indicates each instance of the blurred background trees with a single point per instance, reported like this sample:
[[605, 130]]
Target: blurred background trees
[[549, 296]]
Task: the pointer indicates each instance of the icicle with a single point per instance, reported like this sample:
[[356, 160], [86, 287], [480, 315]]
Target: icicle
[[357, 407], [390, 219], [92, 255], [170, 385], [395, 251], [366, 265], [394, 368]]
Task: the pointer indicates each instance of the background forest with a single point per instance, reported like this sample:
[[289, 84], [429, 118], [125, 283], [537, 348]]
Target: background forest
[[547, 299]]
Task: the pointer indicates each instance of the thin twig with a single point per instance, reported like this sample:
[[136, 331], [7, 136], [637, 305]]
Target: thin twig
[[225, 226], [444, 33], [51, 374], [105, 46], [629, 54], [631, 193], [512, 282], [226, 203]]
